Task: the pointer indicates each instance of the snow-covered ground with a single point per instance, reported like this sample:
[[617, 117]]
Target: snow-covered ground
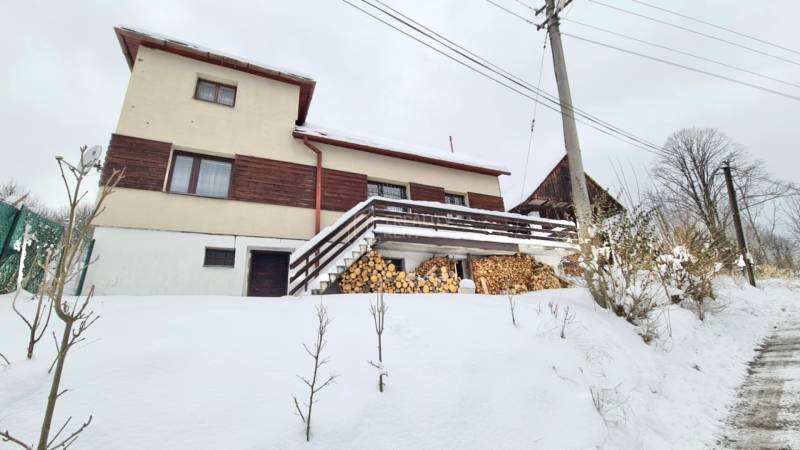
[[219, 372]]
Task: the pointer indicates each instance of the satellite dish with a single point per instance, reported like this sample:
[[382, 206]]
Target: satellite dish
[[91, 158]]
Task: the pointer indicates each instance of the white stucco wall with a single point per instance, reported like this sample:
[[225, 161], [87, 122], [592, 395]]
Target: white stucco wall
[[148, 262]]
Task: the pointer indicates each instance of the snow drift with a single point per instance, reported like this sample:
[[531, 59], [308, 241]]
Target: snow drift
[[219, 372]]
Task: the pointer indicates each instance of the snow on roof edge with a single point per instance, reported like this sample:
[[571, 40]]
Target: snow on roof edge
[[314, 130], [185, 43]]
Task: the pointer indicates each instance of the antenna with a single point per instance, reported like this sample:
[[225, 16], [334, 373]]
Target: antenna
[[90, 159], [451, 145]]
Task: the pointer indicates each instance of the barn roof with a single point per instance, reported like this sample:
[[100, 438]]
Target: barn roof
[[555, 191]]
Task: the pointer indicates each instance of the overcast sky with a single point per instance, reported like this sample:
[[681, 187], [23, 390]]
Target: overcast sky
[[64, 77]]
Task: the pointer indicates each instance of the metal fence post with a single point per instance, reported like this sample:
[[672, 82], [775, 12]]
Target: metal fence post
[[86, 262]]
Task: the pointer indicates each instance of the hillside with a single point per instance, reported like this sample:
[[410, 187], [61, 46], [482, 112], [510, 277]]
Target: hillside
[[219, 372]]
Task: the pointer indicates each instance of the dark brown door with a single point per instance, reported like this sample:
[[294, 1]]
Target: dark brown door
[[269, 274]]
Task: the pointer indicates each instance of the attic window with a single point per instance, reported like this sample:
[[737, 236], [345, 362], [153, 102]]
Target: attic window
[[210, 91]]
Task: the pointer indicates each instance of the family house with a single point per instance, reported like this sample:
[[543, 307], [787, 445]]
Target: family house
[[228, 190]]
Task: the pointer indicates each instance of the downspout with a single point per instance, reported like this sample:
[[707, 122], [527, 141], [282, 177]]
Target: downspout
[[318, 199]]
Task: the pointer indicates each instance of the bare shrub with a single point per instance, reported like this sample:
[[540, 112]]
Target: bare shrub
[[568, 319], [553, 309], [315, 384], [75, 315], [378, 313], [512, 305], [690, 268], [37, 325], [609, 403], [624, 262]]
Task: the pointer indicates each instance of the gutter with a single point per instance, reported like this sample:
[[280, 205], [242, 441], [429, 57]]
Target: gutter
[[318, 196]]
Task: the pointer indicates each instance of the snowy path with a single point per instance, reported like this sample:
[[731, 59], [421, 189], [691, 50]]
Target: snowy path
[[767, 412]]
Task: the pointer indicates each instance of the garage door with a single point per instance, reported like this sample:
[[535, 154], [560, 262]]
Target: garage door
[[269, 273]]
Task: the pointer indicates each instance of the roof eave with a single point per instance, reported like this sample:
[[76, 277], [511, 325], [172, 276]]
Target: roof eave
[[129, 39], [396, 154]]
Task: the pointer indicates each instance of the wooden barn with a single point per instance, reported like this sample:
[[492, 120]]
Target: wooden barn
[[552, 199]]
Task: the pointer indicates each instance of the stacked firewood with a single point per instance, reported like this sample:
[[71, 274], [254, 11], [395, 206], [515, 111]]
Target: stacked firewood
[[435, 263], [572, 266], [372, 273], [437, 275], [514, 274]]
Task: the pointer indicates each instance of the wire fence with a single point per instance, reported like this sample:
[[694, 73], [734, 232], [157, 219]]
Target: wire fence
[[25, 238]]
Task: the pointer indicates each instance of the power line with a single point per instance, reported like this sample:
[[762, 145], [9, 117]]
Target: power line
[[497, 5], [533, 125], [607, 128], [514, 78], [535, 11], [729, 30], [700, 33], [693, 69], [664, 61], [664, 47]]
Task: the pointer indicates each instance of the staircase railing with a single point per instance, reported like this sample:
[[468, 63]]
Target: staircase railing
[[405, 213]]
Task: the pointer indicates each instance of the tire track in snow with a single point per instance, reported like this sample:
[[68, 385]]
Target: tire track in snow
[[767, 411]]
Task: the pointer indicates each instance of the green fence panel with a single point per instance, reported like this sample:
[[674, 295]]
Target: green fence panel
[[43, 234]]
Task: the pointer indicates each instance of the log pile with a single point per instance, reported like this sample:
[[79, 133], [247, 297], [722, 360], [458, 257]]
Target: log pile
[[438, 275], [514, 274], [571, 265], [371, 273], [435, 263]]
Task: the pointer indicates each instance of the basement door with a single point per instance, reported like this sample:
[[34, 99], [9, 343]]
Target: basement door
[[269, 274]]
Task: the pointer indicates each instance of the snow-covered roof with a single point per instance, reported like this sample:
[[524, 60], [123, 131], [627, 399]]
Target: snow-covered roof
[[131, 38], [399, 150], [190, 45]]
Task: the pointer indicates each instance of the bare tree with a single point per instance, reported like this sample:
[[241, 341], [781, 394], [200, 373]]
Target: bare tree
[[792, 211], [315, 384], [378, 312], [11, 193], [688, 175], [37, 326], [75, 314]]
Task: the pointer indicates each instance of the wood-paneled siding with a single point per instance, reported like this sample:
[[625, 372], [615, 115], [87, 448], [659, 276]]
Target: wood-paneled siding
[[342, 190], [426, 193], [263, 180], [276, 182], [553, 197], [483, 201], [145, 162]]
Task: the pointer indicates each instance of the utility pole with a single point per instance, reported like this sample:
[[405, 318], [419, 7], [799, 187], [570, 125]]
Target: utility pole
[[737, 223], [577, 176]]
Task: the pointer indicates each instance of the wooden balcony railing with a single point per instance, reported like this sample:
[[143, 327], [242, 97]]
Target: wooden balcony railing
[[329, 246]]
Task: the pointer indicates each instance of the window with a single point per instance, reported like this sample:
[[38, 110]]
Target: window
[[219, 257], [200, 175], [455, 199], [376, 189], [215, 92]]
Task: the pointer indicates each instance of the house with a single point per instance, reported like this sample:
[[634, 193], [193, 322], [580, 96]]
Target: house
[[228, 189], [552, 199]]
